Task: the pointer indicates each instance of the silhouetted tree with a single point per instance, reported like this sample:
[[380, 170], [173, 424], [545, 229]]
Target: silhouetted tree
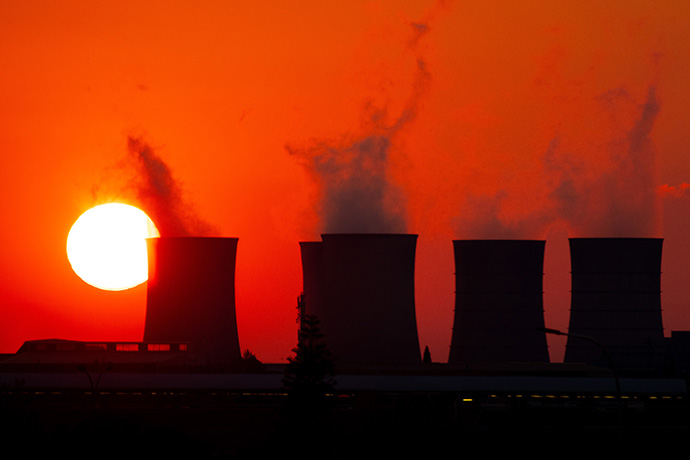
[[427, 356], [311, 368], [250, 363], [309, 373]]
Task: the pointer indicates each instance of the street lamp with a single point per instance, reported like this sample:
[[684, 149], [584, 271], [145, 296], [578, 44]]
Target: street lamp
[[591, 339], [613, 368]]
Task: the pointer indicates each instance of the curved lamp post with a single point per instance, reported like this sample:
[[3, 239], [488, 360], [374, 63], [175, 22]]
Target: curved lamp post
[[613, 368]]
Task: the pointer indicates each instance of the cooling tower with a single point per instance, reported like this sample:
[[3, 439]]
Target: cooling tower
[[616, 299], [313, 279], [191, 295], [499, 309], [361, 288]]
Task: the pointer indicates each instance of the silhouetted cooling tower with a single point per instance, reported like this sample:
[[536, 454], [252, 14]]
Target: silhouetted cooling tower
[[313, 279], [499, 309], [361, 288], [191, 295], [616, 299]]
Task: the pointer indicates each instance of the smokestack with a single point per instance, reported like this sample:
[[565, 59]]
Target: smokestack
[[616, 299], [361, 288], [499, 309], [191, 294]]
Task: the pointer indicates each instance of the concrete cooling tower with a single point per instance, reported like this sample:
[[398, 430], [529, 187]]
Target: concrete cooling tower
[[499, 310], [616, 299], [361, 288], [313, 280], [191, 295]]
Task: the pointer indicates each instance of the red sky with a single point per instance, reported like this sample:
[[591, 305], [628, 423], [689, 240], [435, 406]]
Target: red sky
[[471, 119]]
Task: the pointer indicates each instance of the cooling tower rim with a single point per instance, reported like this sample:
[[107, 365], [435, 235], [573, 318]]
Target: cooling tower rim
[[190, 238], [613, 238], [368, 236], [358, 236], [494, 240]]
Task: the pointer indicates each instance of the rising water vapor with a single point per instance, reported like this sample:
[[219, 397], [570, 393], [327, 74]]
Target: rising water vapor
[[356, 194], [621, 200], [353, 173], [144, 179], [610, 191], [161, 194]]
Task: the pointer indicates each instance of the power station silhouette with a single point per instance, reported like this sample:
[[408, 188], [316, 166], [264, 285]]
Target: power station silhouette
[[188, 371], [361, 288]]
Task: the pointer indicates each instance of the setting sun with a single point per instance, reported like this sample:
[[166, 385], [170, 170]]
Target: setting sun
[[107, 246]]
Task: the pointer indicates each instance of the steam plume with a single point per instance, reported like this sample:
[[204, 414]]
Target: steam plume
[[622, 200], [614, 196], [161, 195], [143, 178], [357, 194]]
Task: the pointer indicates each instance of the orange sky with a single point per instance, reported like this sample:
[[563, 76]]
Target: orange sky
[[489, 118]]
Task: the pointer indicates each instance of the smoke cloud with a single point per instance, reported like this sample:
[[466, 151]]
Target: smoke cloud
[[353, 173]]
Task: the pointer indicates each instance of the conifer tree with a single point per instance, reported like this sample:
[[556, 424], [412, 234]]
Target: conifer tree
[[309, 375]]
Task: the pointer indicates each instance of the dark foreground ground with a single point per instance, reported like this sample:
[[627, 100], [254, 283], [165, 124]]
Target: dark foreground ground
[[271, 425]]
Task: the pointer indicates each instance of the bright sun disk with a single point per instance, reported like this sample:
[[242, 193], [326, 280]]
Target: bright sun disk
[[107, 246]]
